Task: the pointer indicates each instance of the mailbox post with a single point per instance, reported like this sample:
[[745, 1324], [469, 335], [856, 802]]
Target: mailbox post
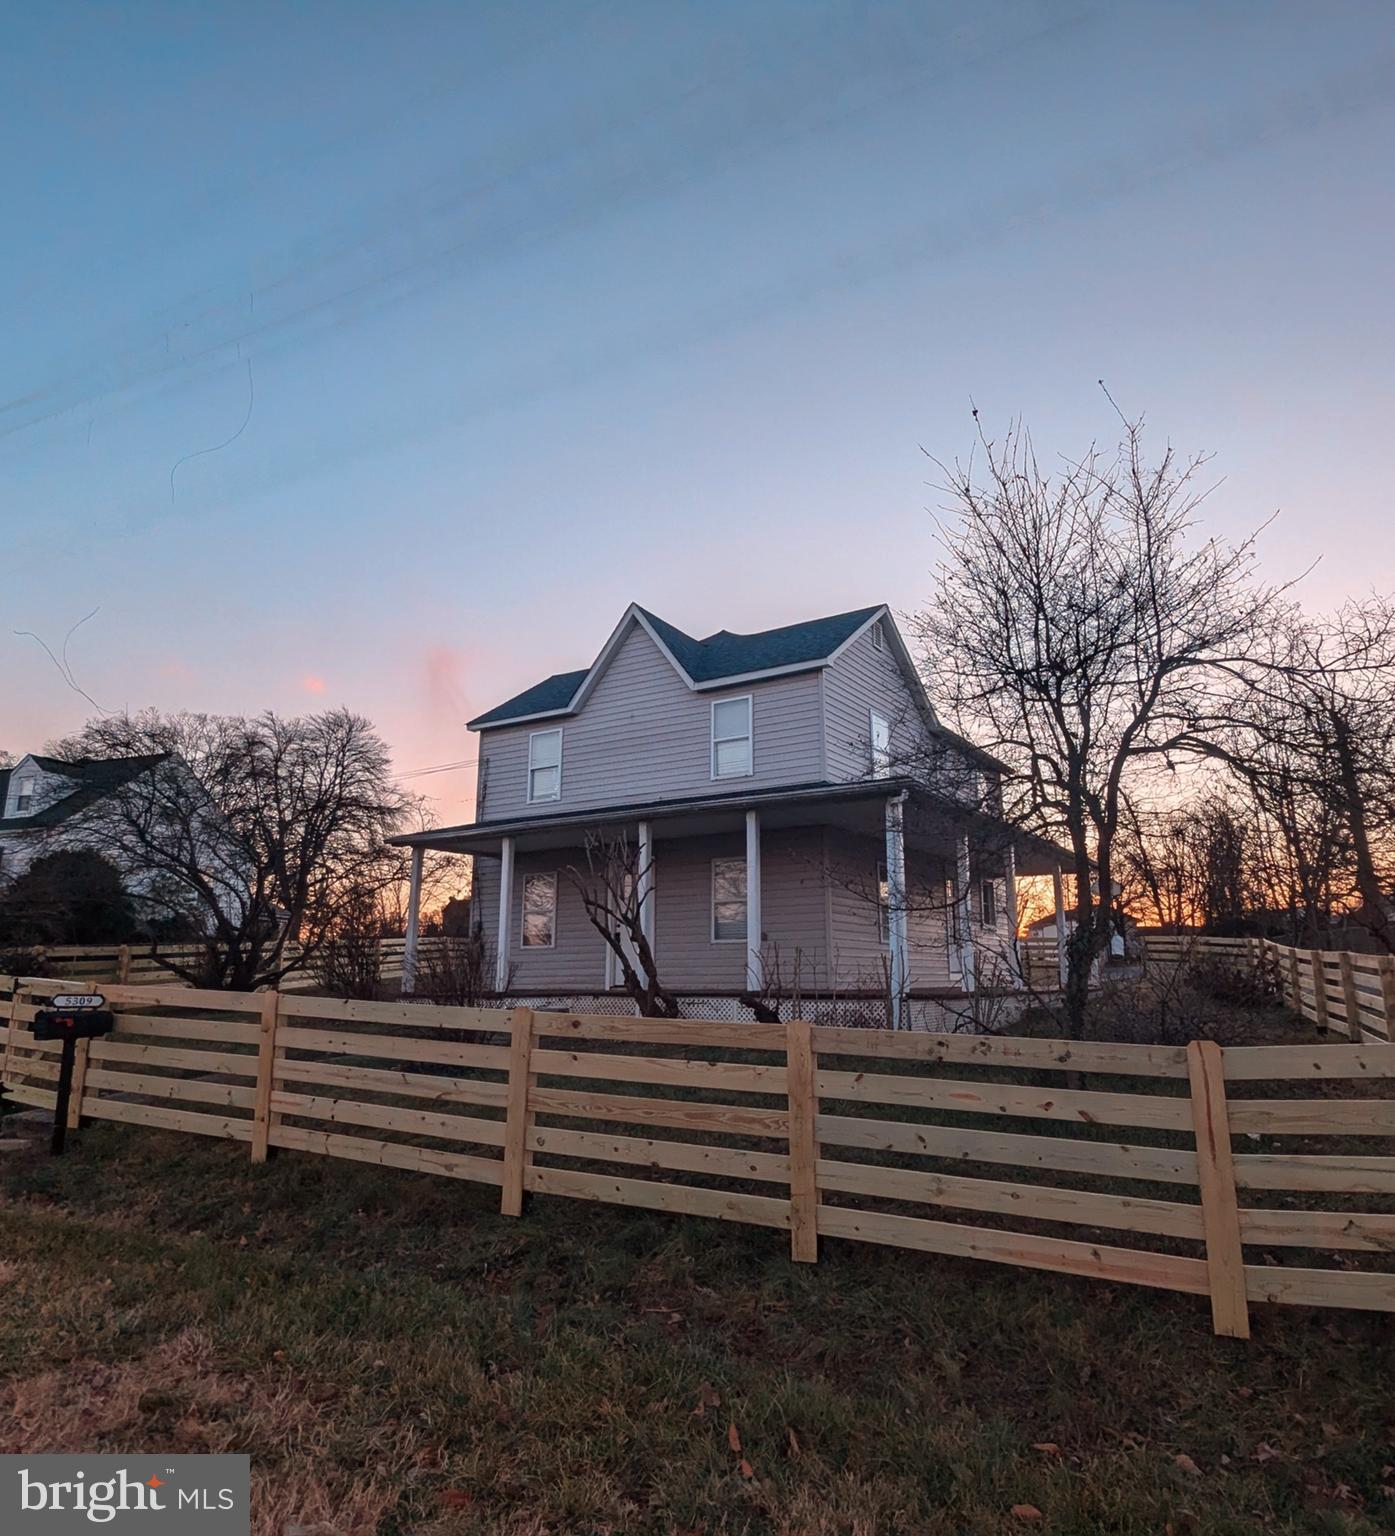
[[70, 1017]]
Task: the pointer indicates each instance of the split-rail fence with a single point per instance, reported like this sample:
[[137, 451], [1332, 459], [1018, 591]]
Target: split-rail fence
[[1340, 991], [1196, 1169]]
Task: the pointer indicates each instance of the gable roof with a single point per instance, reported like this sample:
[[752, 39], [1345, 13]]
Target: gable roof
[[96, 777], [720, 658]]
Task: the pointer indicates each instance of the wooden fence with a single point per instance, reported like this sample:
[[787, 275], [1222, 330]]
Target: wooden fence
[[861, 1135], [1339, 991], [139, 964]]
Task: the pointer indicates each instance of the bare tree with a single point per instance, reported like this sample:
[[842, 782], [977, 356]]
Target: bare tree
[[611, 888], [1075, 630], [1192, 864], [1307, 725], [258, 836]]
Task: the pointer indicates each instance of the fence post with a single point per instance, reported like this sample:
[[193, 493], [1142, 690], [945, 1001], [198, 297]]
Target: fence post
[[1295, 979], [801, 1089], [517, 1157], [1220, 1208], [13, 1029], [1351, 999], [1318, 963], [79, 1087], [1387, 992], [266, 1076], [123, 965]]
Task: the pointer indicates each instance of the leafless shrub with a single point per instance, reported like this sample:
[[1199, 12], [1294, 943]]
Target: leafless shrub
[[612, 889], [458, 973], [349, 963]]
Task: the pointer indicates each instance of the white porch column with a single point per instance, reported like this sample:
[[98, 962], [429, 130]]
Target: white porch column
[[964, 880], [646, 883], [501, 961], [409, 944], [1058, 892], [896, 906], [755, 969], [1014, 952]]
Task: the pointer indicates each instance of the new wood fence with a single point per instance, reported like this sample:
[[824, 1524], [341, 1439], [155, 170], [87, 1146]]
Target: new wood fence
[[138, 964], [953, 1144], [1339, 991]]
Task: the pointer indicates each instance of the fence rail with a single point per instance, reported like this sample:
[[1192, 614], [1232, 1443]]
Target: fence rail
[[953, 1144], [140, 964], [1338, 990]]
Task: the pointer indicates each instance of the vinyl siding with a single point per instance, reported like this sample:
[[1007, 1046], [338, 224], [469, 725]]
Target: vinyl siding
[[859, 955], [644, 735], [862, 679], [793, 914]]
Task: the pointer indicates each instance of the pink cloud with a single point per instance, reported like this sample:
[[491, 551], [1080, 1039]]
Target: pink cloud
[[312, 684], [444, 675]]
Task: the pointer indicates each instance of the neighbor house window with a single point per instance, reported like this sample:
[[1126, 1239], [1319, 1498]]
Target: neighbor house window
[[883, 905], [988, 904], [24, 795], [731, 738], [539, 911], [728, 901], [544, 766], [878, 639], [880, 737]]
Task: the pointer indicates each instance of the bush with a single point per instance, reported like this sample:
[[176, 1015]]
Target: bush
[[73, 896]]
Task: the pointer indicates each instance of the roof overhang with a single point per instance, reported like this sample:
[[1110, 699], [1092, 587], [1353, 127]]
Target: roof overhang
[[933, 821]]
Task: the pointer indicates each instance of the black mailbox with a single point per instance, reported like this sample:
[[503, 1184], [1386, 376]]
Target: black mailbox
[[69, 1017], [72, 1023]]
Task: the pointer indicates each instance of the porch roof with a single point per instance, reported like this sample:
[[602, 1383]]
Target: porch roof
[[854, 807]]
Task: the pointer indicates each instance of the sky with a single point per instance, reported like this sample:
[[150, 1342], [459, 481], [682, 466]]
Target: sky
[[379, 356]]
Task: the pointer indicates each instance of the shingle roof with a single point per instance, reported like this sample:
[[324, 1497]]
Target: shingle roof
[[723, 654], [96, 777], [554, 692]]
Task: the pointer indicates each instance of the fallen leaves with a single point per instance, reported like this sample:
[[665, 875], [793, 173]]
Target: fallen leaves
[[1186, 1464], [1028, 1512], [743, 1466]]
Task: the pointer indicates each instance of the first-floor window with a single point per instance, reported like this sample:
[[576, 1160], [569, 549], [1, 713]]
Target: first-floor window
[[883, 905], [988, 904], [539, 911], [728, 900]]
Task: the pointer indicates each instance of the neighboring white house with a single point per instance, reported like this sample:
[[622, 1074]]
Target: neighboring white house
[[47, 804]]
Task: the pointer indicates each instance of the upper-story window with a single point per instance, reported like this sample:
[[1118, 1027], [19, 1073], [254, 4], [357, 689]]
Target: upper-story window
[[879, 735], [988, 904], [545, 766], [731, 738], [24, 794]]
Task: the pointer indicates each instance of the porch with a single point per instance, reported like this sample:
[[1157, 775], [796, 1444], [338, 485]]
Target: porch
[[861, 891]]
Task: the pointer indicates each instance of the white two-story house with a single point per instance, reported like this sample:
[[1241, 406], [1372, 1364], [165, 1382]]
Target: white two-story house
[[802, 820]]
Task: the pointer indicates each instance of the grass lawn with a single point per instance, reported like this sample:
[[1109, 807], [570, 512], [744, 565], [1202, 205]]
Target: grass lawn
[[396, 1358]]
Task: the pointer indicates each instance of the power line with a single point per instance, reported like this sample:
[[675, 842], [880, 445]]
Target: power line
[[416, 773]]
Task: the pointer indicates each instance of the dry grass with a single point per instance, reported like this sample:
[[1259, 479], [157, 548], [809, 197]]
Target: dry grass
[[396, 1358]]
